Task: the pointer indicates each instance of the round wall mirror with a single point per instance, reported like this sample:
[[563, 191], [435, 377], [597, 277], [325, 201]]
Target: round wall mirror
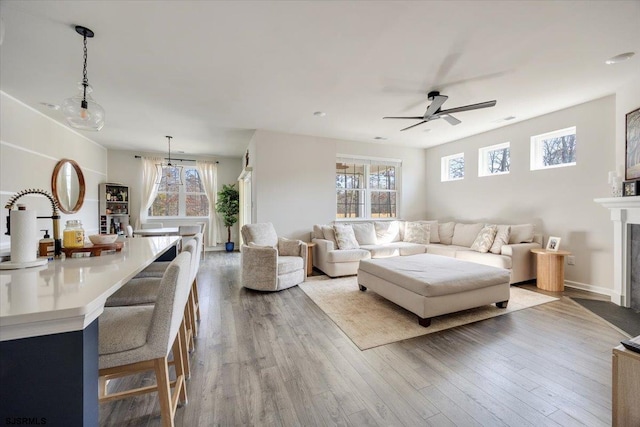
[[67, 185]]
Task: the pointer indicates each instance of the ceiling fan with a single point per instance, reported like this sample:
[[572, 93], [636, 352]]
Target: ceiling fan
[[435, 112]]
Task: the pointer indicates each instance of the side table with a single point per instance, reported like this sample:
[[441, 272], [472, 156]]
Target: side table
[[550, 269], [310, 258]]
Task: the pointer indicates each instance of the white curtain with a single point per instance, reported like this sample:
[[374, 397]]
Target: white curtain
[[209, 177], [149, 189]]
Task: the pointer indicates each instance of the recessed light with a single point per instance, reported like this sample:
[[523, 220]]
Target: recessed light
[[380, 138], [619, 58], [49, 105], [319, 114]]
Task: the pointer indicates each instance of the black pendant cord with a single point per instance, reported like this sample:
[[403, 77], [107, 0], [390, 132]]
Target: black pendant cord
[[85, 80], [169, 139]]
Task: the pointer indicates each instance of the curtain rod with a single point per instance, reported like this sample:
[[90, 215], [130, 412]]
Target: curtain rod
[[173, 158]]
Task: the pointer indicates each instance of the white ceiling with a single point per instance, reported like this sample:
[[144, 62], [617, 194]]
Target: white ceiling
[[210, 73]]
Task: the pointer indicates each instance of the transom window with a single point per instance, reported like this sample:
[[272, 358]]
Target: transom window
[[173, 200], [366, 188], [494, 160], [452, 167], [554, 149]]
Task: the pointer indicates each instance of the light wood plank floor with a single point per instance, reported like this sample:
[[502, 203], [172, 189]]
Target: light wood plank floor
[[276, 359]]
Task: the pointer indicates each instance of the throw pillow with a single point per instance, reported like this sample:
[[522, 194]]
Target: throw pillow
[[502, 238], [435, 234], [387, 231], [445, 231], [345, 237], [329, 234], [485, 238], [287, 247], [317, 232], [365, 233], [522, 233], [417, 232]]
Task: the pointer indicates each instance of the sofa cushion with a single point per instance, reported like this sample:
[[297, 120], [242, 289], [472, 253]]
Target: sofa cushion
[[445, 250], [485, 239], [445, 232], [382, 251], [465, 234], [124, 328], [435, 232], [502, 238], [288, 264], [262, 234], [365, 233], [387, 231], [521, 233], [329, 234], [345, 237], [317, 232], [417, 232], [350, 255], [408, 248], [493, 260]]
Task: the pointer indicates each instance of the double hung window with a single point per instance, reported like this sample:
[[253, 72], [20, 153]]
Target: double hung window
[[175, 200], [367, 188]]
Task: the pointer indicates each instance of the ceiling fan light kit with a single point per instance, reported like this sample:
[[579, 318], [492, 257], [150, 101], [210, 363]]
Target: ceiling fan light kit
[[434, 110], [81, 111]]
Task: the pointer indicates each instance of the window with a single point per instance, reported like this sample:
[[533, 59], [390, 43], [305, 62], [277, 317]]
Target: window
[[554, 149], [187, 200], [494, 160], [366, 188], [452, 167]]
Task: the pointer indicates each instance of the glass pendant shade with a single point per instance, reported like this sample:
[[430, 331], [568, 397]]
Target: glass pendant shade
[[81, 115]]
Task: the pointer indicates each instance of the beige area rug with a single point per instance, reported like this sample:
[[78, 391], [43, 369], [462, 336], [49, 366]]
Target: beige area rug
[[370, 320]]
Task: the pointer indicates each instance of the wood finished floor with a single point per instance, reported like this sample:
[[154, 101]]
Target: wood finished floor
[[271, 359]]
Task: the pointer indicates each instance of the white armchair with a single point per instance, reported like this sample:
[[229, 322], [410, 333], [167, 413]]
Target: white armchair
[[270, 263]]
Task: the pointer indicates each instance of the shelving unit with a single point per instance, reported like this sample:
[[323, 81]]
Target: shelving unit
[[114, 208]]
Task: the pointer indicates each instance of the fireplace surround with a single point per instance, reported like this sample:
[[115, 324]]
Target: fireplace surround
[[625, 214]]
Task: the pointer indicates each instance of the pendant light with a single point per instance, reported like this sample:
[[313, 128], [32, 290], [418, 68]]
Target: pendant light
[[81, 111], [168, 174]]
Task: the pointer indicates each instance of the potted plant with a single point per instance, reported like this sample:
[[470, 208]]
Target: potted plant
[[228, 205]]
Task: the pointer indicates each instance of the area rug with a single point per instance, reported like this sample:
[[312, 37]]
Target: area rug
[[370, 320], [622, 318]]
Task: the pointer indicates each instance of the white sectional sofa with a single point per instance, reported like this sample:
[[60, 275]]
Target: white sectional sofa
[[383, 239]]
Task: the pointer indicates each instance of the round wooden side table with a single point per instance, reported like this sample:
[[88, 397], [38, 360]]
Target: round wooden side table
[[550, 269]]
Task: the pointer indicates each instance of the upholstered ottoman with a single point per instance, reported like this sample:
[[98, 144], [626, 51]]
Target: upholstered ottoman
[[432, 285]]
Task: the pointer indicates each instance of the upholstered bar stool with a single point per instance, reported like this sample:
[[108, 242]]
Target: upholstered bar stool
[[135, 339]]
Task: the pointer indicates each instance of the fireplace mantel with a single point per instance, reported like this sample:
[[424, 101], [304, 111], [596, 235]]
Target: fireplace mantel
[[624, 212]]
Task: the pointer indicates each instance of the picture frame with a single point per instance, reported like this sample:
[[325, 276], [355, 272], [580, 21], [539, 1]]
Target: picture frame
[[631, 188], [553, 244], [632, 147]]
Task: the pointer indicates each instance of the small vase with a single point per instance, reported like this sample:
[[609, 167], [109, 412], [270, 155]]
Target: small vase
[[229, 246]]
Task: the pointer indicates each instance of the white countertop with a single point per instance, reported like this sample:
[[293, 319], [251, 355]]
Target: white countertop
[[67, 295], [165, 231]]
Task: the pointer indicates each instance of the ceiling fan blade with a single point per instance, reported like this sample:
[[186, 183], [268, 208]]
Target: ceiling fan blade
[[452, 120], [417, 124], [469, 107], [435, 105], [412, 118]]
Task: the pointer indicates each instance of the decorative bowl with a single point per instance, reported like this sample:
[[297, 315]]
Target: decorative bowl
[[103, 239]]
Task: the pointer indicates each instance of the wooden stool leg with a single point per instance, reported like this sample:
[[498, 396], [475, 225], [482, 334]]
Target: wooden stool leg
[[196, 297], [194, 321], [164, 391], [179, 365], [184, 337]]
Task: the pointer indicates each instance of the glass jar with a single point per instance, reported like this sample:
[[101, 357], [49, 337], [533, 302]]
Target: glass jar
[[73, 235]]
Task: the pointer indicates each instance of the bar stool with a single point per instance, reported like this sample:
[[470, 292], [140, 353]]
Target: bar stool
[[140, 338]]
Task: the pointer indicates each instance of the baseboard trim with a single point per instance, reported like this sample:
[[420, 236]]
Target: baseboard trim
[[590, 288]]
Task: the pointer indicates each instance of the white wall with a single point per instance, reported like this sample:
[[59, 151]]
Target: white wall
[[294, 179], [126, 169], [30, 146], [558, 201]]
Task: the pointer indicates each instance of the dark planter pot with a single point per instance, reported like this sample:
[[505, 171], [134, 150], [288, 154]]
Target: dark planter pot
[[229, 246]]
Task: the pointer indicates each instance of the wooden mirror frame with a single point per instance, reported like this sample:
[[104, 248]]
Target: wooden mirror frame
[[54, 185]]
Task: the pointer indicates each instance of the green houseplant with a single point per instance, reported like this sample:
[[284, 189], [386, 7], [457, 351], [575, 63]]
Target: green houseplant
[[228, 205]]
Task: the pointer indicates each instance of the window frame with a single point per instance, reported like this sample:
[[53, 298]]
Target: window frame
[[536, 161], [366, 190], [445, 167], [483, 159], [182, 197]]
